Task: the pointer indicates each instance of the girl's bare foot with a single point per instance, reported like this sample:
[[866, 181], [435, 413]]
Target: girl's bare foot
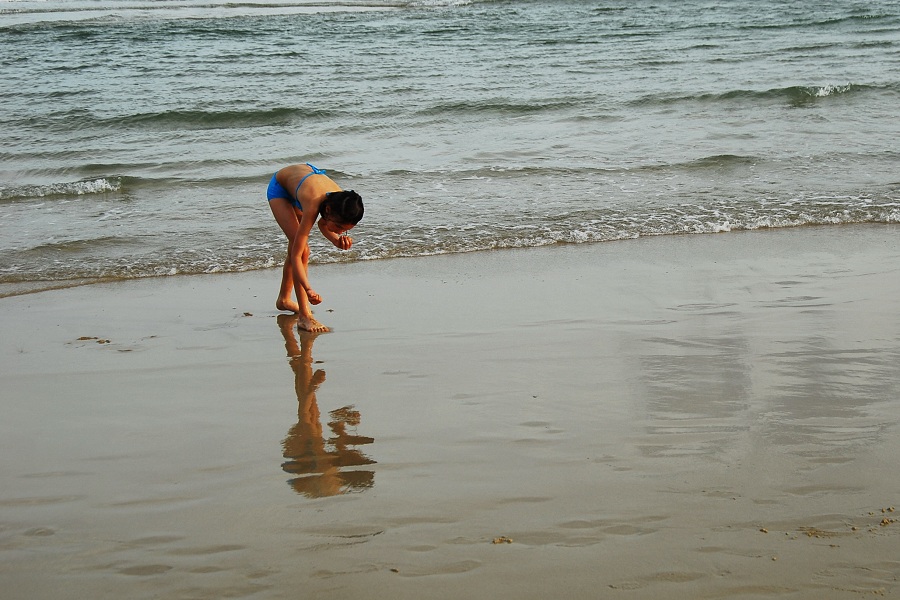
[[288, 305], [310, 324]]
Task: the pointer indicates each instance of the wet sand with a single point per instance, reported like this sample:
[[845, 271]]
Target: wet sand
[[676, 417]]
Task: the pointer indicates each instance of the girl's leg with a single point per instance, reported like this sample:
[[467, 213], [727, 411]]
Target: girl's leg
[[285, 301], [307, 321], [288, 218]]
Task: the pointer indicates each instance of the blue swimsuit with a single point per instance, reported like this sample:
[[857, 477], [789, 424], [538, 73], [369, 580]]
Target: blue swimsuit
[[276, 190]]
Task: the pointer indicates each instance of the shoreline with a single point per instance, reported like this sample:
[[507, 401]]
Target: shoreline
[[679, 416], [24, 288]]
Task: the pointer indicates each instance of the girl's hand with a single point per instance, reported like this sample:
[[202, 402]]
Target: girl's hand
[[344, 242], [313, 297]]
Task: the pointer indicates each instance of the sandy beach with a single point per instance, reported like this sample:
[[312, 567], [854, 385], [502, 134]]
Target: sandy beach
[[706, 416]]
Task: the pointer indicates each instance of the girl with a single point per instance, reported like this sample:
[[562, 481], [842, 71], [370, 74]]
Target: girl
[[298, 196]]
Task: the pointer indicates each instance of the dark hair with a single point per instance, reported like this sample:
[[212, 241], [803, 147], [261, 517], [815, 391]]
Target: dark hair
[[346, 206]]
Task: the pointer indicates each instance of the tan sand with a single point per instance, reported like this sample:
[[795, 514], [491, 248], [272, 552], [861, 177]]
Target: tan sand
[[679, 417]]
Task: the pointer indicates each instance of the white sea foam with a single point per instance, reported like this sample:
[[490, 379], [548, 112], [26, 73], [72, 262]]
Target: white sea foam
[[829, 90], [75, 188]]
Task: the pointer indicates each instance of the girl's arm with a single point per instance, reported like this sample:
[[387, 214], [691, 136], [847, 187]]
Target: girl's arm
[[298, 247], [342, 242]]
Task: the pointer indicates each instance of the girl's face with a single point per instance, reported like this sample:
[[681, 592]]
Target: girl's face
[[336, 227]]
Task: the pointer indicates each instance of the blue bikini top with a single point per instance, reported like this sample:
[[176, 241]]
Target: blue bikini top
[[315, 171]]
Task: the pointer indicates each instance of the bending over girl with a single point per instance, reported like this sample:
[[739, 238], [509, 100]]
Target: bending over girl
[[299, 195]]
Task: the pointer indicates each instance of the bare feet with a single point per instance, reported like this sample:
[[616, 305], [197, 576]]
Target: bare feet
[[288, 305], [310, 324]]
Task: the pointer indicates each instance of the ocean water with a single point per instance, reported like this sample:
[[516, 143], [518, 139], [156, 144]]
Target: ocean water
[[138, 136]]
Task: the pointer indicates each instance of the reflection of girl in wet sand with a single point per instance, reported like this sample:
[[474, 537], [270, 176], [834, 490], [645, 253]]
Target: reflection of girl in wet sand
[[316, 460]]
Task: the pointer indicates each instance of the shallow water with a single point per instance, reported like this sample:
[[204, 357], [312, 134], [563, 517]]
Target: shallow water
[[139, 138]]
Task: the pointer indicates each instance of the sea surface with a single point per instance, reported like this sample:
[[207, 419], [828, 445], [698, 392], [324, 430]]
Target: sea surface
[[137, 137]]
